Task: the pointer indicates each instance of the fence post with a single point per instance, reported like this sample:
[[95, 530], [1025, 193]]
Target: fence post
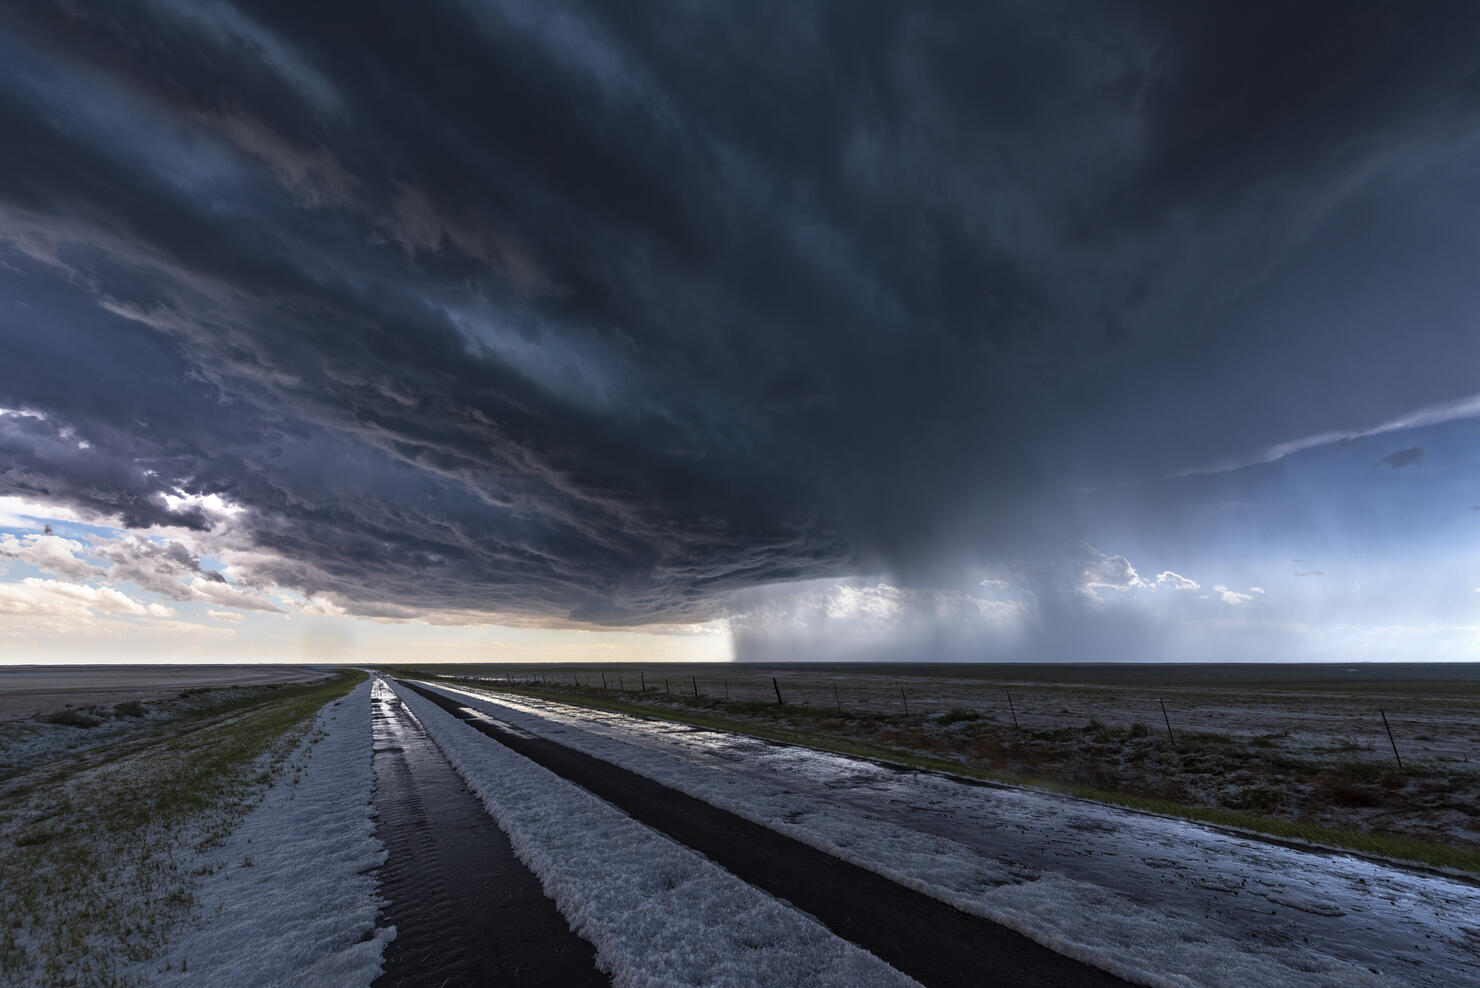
[[603, 680], [643, 680], [777, 688], [665, 687], [727, 691], [835, 698], [1391, 741], [695, 681], [1012, 710], [1168, 720], [905, 701], [621, 686]]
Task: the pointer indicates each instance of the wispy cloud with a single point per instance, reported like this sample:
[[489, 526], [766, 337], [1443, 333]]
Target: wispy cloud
[[1437, 414]]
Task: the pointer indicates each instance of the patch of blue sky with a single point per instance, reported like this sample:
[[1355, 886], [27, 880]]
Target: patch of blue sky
[[1335, 536], [23, 522]]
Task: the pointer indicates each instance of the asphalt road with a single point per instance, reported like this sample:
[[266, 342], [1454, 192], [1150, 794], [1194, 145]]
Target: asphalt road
[[932, 942], [466, 910]]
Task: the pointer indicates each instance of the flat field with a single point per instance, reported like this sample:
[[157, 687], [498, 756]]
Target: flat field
[[31, 691]]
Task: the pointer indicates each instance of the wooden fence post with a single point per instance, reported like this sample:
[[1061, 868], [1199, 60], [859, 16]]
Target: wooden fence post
[[777, 688], [1391, 741], [1012, 710], [1168, 720]]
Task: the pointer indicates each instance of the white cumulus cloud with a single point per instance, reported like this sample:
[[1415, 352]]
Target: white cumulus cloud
[[1102, 572], [51, 554], [36, 596], [1232, 596]]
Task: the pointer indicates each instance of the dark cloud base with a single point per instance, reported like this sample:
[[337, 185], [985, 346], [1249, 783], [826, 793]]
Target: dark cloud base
[[600, 313]]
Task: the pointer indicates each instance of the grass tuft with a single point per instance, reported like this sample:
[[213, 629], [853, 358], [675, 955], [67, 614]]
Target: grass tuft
[[72, 718]]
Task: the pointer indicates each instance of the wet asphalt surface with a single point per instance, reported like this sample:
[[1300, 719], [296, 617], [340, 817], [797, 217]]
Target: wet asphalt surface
[[466, 910]]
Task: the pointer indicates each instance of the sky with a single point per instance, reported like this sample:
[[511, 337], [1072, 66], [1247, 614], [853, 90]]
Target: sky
[[561, 331]]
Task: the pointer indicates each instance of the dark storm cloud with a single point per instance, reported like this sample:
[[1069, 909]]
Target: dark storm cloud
[[601, 312], [1409, 457]]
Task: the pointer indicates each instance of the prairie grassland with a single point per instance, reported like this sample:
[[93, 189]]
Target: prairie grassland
[[1306, 758], [96, 838]]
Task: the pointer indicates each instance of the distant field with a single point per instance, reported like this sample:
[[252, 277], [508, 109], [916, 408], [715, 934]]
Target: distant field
[[1302, 745], [30, 691], [1422, 677]]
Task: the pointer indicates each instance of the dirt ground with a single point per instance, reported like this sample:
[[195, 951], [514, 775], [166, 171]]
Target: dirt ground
[[33, 691]]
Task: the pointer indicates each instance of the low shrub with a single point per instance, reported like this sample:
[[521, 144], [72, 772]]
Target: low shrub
[[1345, 792], [34, 839], [72, 718]]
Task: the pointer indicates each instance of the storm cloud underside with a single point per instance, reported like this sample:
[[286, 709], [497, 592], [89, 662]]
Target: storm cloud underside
[[610, 315]]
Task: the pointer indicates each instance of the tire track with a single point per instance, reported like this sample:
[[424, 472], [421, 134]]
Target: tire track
[[466, 910]]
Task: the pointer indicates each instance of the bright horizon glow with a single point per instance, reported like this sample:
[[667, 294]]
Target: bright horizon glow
[[64, 602]]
